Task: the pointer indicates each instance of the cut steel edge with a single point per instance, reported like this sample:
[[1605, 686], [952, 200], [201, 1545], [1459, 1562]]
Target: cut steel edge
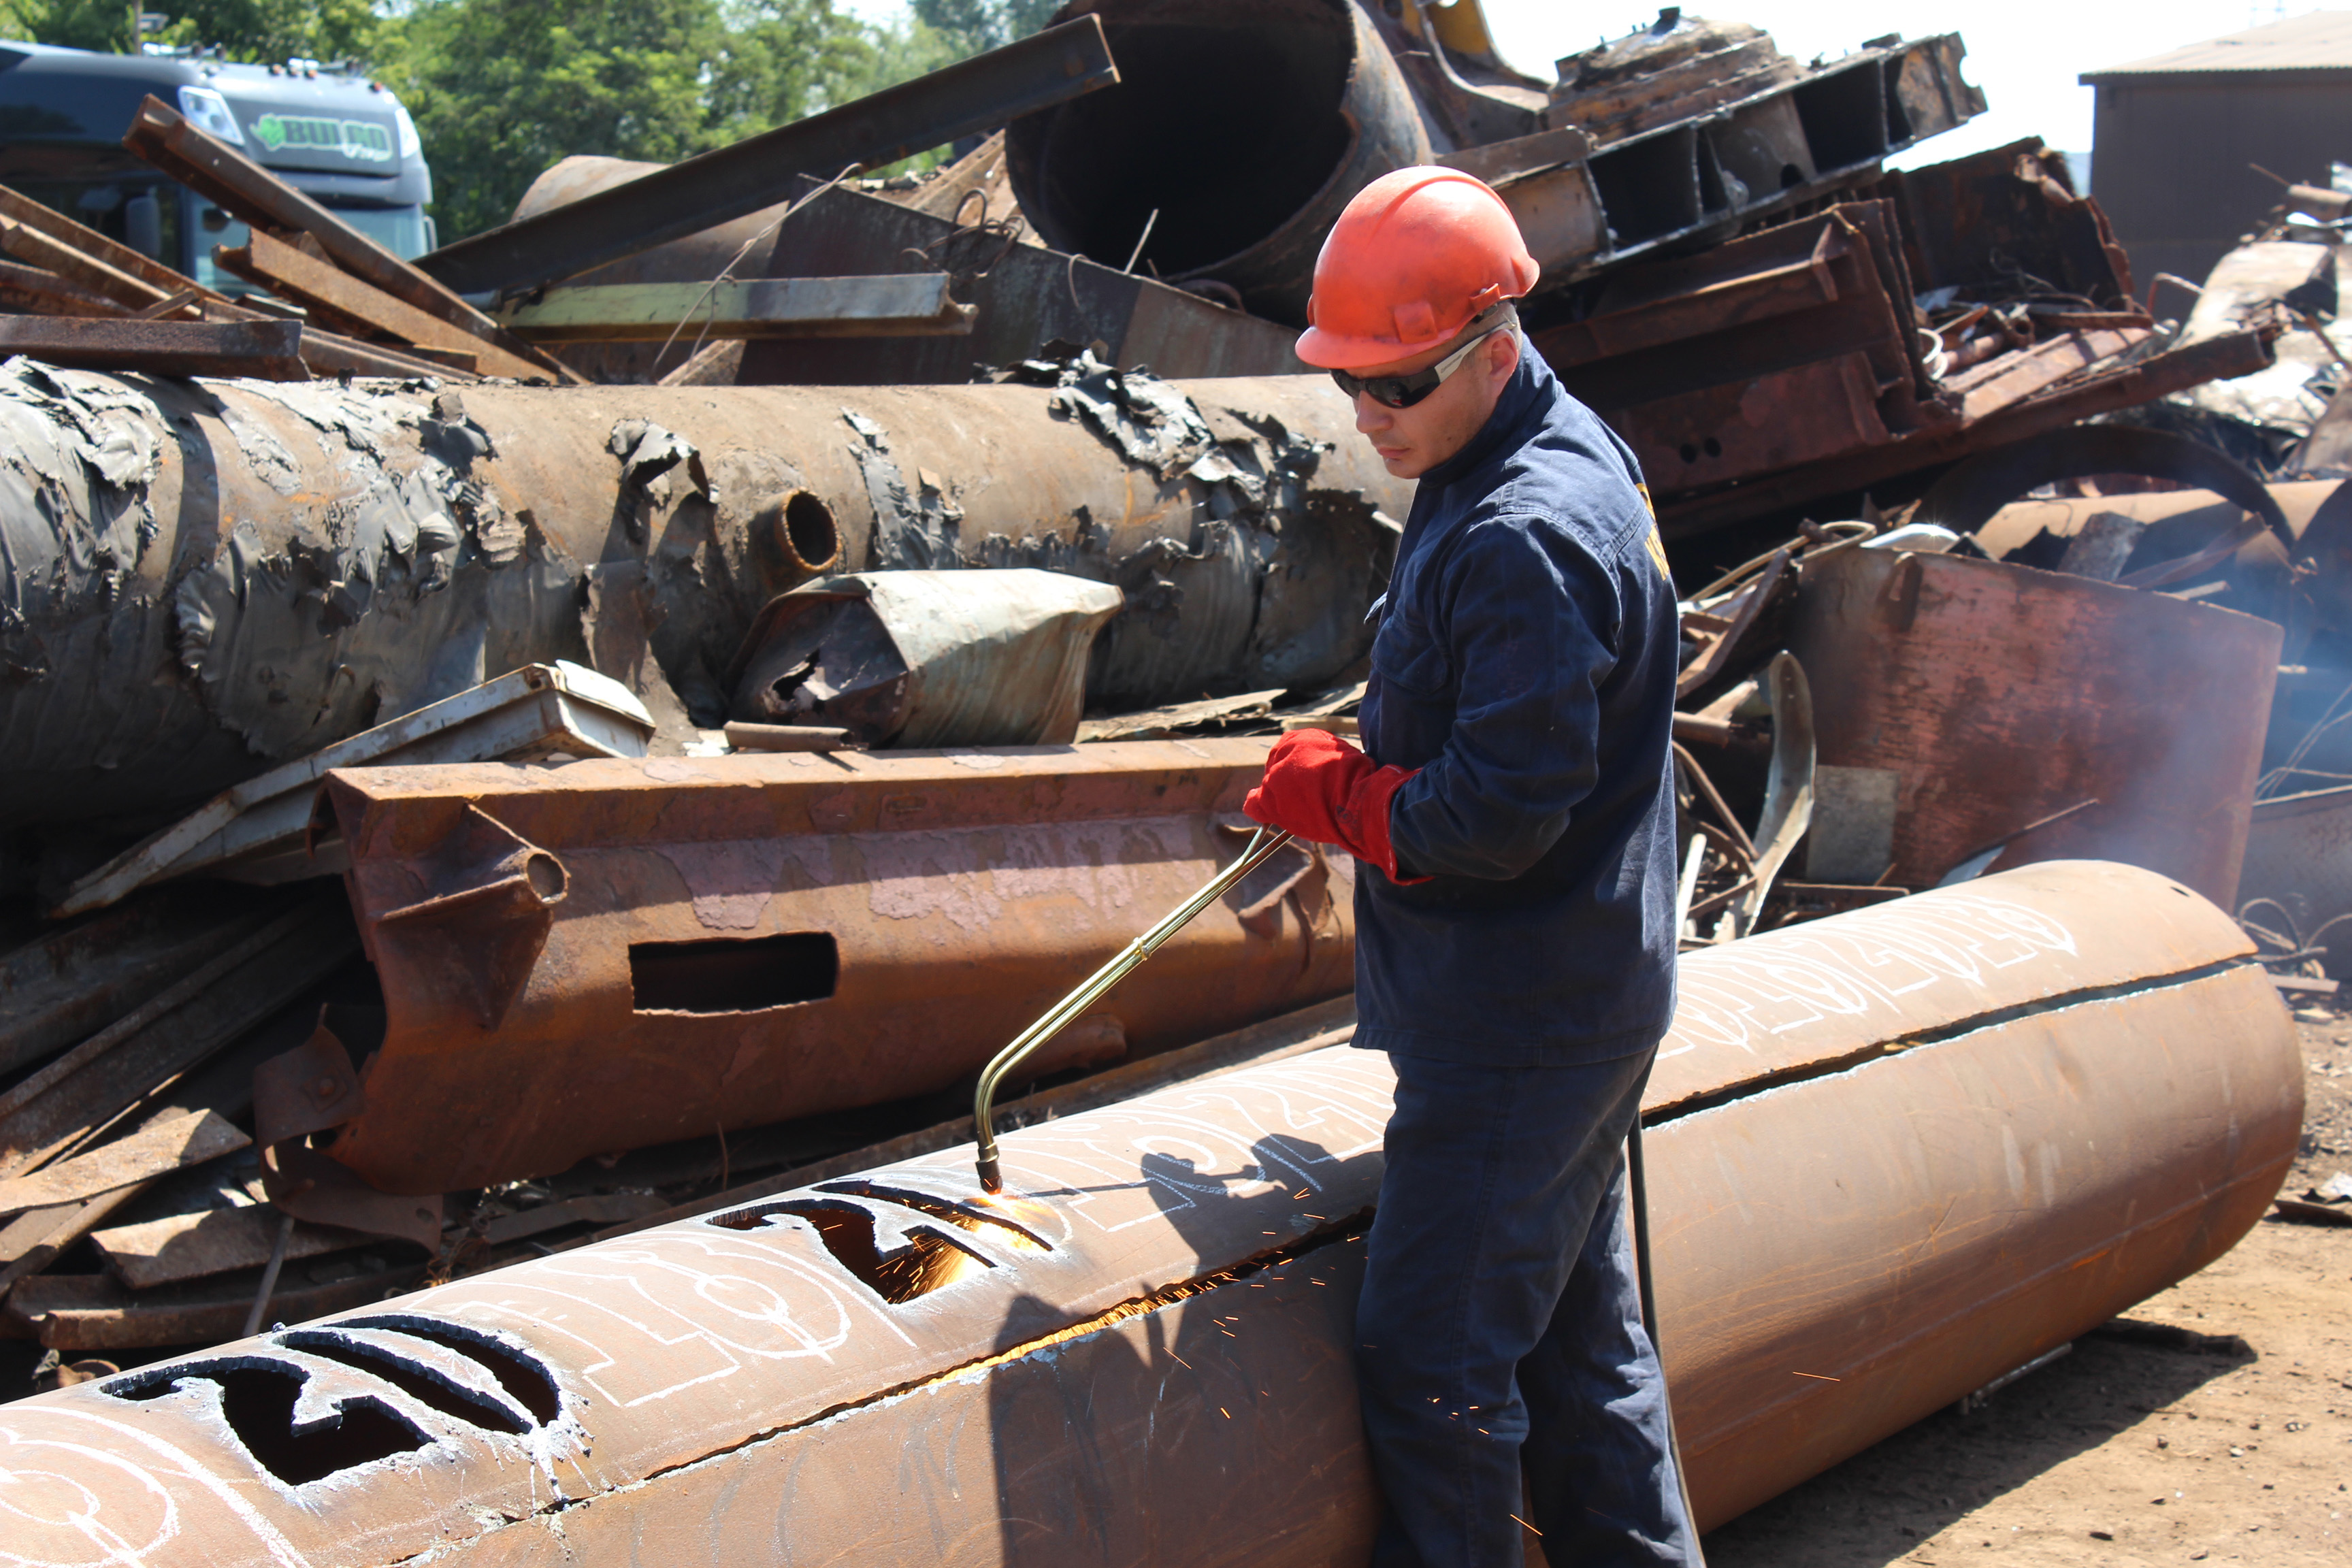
[[795, 778]]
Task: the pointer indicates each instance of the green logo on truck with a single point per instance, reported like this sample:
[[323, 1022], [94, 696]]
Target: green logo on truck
[[305, 134]]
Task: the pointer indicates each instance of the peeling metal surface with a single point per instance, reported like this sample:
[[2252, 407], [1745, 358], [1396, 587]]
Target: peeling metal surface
[[1165, 1301], [202, 578], [624, 953]]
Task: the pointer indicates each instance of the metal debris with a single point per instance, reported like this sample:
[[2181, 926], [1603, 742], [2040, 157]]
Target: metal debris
[[926, 658], [394, 548], [262, 830], [969, 97]]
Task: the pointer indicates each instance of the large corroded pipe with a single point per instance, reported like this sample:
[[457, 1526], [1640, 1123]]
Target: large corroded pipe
[[1900, 1152], [198, 579], [1310, 110]]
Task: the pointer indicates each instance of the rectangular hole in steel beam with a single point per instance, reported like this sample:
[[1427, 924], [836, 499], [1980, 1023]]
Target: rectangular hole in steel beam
[[744, 975]]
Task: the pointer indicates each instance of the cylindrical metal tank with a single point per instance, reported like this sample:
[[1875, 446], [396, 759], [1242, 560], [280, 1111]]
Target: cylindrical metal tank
[[202, 578], [1238, 130], [1901, 1152]]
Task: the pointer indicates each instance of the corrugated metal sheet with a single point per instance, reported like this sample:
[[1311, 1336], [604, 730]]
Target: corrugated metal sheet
[[2321, 41]]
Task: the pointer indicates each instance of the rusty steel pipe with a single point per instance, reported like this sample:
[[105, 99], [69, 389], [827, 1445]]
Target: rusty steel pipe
[[1893, 1149], [208, 577], [736, 940], [1318, 109]]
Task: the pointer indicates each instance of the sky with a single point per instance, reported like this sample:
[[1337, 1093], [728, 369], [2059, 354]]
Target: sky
[[2025, 55]]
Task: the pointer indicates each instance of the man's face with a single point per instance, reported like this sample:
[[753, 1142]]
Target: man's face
[[1412, 441]]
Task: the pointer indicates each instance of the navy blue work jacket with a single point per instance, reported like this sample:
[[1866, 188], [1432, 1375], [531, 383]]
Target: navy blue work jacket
[[1525, 664]]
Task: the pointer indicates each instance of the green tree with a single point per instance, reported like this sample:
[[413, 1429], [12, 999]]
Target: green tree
[[271, 31], [980, 24], [896, 51], [243, 29], [502, 90], [104, 25]]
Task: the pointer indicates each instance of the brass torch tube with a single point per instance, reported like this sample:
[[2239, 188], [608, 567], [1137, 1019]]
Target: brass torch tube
[[1262, 845]]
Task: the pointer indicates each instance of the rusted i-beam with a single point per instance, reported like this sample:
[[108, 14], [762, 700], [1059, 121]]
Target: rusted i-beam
[[623, 954], [1891, 1155]]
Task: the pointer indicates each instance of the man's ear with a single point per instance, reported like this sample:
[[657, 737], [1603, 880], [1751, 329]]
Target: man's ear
[[1502, 356]]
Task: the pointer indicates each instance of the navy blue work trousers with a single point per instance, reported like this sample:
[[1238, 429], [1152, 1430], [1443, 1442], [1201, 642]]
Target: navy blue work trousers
[[1500, 1326]]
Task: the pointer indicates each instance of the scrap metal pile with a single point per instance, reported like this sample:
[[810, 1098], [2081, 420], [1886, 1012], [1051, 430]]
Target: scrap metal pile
[[544, 771]]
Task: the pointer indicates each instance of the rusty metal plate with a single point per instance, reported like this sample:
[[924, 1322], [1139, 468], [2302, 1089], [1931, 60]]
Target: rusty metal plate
[[1778, 349], [618, 954], [1103, 1355], [2001, 695], [1723, 433], [1950, 1213]]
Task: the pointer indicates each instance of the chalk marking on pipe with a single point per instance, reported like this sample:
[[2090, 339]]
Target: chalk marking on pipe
[[1352, 1229]]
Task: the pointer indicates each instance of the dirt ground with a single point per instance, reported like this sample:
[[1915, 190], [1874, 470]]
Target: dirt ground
[[2212, 1424]]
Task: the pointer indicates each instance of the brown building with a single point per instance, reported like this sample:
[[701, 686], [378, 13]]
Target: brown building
[[2174, 133]]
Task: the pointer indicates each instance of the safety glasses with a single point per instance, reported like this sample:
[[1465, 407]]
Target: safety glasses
[[1404, 391]]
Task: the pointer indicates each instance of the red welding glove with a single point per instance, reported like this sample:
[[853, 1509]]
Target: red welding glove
[[1321, 788]]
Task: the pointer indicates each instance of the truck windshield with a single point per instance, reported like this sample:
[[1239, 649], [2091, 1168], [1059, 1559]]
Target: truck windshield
[[400, 230]]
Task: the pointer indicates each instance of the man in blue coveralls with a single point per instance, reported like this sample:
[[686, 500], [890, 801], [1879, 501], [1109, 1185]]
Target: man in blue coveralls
[[1514, 943]]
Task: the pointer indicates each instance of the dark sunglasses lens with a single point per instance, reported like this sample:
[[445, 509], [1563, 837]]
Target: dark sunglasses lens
[[1388, 391], [1403, 392]]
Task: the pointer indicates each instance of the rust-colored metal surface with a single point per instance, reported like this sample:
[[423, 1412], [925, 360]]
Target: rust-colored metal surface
[[271, 351], [1026, 296], [1905, 1149], [1940, 1190], [2120, 382], [614, 956], [324, 289], [1977, 222], [2000, 696], [1787, 347], [301, 561]]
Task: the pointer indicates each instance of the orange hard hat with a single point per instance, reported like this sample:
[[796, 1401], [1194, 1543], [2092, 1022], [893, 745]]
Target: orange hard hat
[[1417, 255]]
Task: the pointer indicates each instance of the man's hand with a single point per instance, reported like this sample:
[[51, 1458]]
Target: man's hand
[[1321, 788]]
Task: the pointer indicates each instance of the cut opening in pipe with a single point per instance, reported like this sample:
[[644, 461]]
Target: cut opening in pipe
[[747, 974], [1226, 120]]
